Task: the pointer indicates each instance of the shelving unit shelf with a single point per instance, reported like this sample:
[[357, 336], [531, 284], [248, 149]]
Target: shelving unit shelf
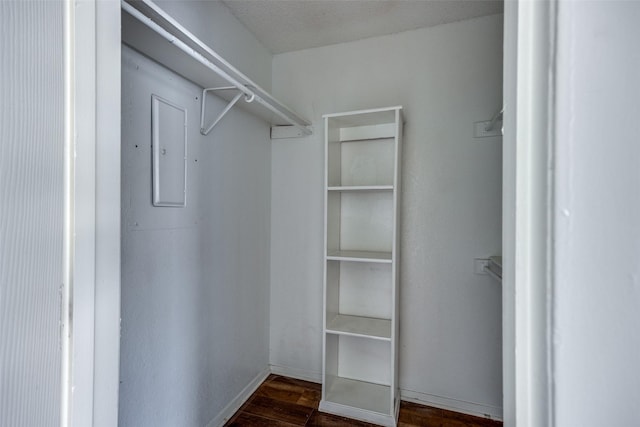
[[359, 256], [360, 326], [362, 188], [362, 198]]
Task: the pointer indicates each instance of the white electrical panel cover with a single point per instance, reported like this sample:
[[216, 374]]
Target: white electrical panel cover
[[169, 141]]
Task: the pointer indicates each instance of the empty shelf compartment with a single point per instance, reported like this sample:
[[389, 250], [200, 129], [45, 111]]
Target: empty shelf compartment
[[359, 394], [361, 290], [360, 221]]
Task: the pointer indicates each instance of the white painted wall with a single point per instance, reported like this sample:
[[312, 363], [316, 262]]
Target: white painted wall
[[31, 211], [446, 77], [195, 280], [596, 312], [214, 24]]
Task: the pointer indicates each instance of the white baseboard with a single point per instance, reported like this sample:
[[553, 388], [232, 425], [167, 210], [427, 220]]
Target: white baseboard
[[358, 414], [239, 400], [300, 374], [461, 406]]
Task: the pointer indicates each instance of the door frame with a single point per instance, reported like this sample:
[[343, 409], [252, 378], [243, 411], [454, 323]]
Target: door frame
[[92, 100], [90, 317], [528, 202]]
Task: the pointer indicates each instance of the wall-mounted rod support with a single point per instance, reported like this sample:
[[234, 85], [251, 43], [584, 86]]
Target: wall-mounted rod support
[[496, 118], [181, 45], [224, 111], [493, 274], [235, 78]]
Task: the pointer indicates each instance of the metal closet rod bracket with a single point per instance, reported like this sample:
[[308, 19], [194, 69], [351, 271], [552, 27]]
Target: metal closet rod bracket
[[249, 97]]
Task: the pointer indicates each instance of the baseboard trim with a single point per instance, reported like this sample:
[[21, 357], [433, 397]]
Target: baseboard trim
[[358, 414], [461, 406], [300, 374], [239, 400]]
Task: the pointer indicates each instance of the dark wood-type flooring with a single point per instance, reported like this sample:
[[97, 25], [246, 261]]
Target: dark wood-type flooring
[[287, 402]]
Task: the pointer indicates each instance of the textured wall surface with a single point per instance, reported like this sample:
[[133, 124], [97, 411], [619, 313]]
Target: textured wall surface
[[31, 211], [446, 77], [195, 280]]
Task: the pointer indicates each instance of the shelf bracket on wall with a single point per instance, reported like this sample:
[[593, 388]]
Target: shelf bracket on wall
[[497, 117], [226, 109], [489, 128]]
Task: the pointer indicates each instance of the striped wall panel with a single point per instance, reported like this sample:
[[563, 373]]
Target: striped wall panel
[[31, 211]]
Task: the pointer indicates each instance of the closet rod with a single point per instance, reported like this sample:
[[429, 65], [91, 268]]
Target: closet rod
[[176, 41]]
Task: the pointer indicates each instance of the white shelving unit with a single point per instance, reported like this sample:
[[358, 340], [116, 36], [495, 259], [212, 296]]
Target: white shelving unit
[[362, 223]]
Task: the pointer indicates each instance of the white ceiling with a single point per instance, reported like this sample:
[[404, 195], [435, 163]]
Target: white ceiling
[[287, 25]]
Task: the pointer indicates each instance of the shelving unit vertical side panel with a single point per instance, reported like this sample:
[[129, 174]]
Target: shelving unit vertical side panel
[[397, 203], [331, 367], [333, 159], [333, 221], [332, 290], [334, 154], [324, 261]]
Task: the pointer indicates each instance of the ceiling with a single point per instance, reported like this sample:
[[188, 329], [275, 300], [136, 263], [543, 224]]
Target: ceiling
[[288, 25]]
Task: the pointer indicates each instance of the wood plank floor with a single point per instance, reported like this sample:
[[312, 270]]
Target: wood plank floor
[[287, 402]]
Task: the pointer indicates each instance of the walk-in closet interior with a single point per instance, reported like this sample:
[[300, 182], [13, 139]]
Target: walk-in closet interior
[[311, 189], [294, 213]]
